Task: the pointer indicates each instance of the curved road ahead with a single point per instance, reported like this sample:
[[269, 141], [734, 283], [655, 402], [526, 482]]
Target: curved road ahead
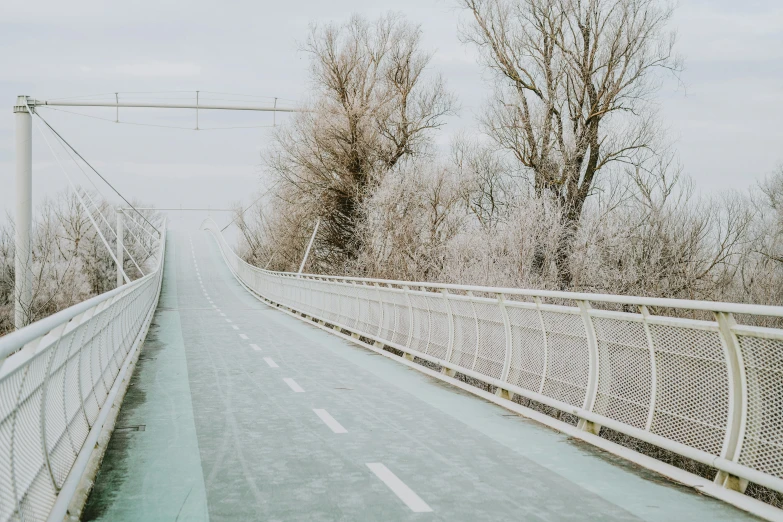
[[237, 411]]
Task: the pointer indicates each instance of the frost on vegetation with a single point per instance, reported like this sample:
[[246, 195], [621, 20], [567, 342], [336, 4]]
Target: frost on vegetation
[[561, 186], [70, 262]]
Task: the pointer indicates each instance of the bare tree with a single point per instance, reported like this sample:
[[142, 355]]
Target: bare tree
[[761, 274], [656, 238], [70, 263], [490, 181], [372, 106], [410, 223], [573, 85]]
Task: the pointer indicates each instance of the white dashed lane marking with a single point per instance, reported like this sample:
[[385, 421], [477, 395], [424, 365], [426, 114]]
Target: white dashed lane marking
[[270, 362], [398, 487], [329, 421], [293, 385]]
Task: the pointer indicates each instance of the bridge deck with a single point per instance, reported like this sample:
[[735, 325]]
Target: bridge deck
[[226, 436]]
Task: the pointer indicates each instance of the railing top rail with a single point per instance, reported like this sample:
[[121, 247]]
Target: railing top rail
[[701, 389], [684, 304], [15, 340]]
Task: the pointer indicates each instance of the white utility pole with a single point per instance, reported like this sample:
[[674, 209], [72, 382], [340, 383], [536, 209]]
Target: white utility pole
[[120, 256], [23, 286], [309, 246]]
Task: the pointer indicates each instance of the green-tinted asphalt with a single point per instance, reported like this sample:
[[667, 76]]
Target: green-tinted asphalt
[[226, 438]]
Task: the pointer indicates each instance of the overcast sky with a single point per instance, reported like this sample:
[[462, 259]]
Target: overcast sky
[[726, 119]]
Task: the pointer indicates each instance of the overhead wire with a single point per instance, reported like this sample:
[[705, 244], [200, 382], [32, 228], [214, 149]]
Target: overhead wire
[[243, 211], [138, 241], [157, 125], [96, 172], [81, 200], [130, 230], [97, 208], [116, 237], [115, 121], [142, 227], [105, 220], [112, 94]]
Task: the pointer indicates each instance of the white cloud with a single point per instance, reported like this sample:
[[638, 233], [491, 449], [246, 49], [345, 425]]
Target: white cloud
[[710, 33], [159, 69]]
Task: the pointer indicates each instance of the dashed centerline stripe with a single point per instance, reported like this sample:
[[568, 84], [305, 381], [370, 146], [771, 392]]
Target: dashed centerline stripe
[[329, 421], [229, 320], [293, 385], [243, 336], [271, 363], [398, 487], [235, 327], [255, 347]]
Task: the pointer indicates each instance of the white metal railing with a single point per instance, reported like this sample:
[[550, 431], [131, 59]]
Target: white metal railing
[[58, 380], [709, 390]]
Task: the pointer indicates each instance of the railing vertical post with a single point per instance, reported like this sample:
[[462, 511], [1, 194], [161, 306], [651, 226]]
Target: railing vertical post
[[592, 380], [507, 359], [408, 355], [738, 403], [380, 311], [450, 345], [478, 330], [653, 368], [545, 347], [44, 392]]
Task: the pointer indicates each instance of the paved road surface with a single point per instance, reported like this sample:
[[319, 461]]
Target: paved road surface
[[240, 412]]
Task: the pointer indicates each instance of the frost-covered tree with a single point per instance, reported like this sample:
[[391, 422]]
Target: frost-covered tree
[[573, 84], [372, 105], [70, 263]]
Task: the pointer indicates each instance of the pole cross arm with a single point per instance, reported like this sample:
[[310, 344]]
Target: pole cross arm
[[153, 105]]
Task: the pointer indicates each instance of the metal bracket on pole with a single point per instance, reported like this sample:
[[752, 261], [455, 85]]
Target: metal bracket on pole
[[309, 246]]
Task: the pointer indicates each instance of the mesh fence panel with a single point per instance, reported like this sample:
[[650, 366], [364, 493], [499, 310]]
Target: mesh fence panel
[[53, 386], [528, 357], [439, 327], [492, 340], [763, 445], [465, 334], [421, 322], [568, 359], [660, 375], [692, 398], [625, 376]]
